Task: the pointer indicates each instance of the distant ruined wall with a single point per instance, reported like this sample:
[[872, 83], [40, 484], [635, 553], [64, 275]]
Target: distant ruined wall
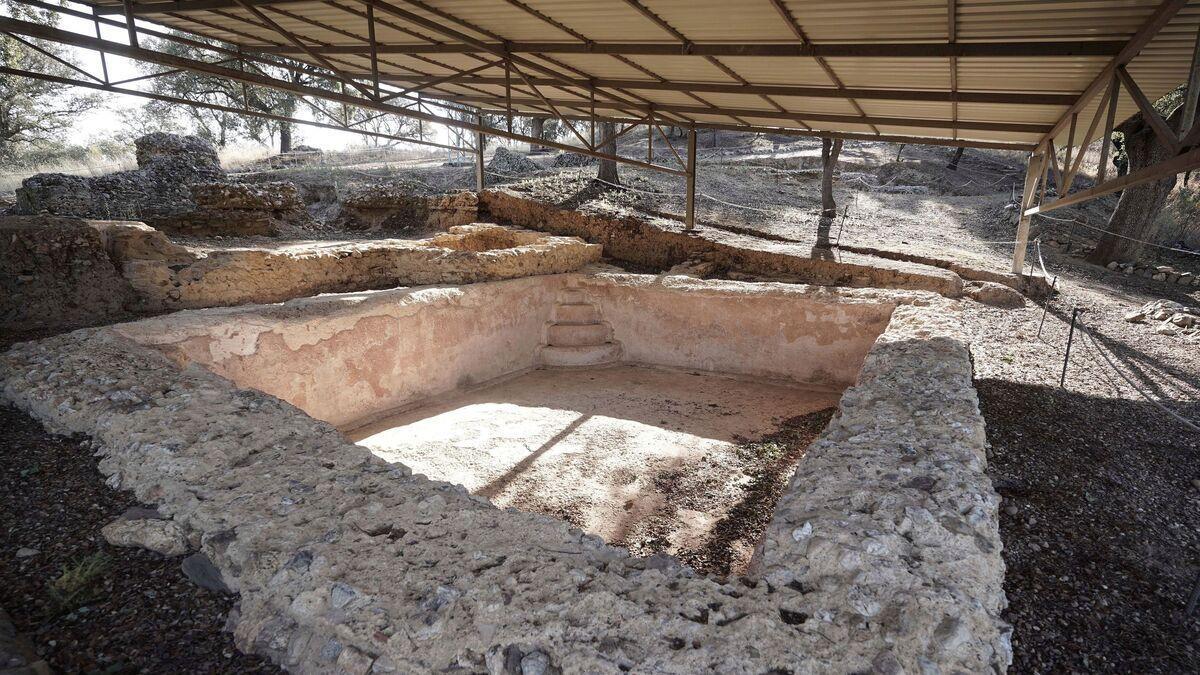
[[647, 244]]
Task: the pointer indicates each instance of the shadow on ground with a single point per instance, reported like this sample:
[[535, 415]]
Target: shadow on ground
[[1101, 527]]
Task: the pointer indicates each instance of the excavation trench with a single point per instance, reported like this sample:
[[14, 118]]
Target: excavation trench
[[663, 414]]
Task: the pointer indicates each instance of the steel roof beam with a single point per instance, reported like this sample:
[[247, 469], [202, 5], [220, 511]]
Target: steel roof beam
[[1161, 16], [1017, 127], [901, 50], [1051, 99]]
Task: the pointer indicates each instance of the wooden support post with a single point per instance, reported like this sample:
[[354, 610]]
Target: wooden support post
[[689, 219], [1033, 172], [508, 93], [374, 48], [1114, 90], [649, 143], [479, 155], [133, 41], [103, 60], [1193, 90]]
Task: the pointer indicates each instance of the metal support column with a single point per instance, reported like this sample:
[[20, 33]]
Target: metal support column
[[1033, 172], [479, 155], [133, 39], [103, 59], [689, 219]]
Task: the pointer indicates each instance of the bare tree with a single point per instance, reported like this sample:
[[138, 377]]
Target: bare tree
[[953, 165], [1136, 217], [607, 170], [830, 149]]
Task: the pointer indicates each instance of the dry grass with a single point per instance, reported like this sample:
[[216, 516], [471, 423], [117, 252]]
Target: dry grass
[[11, 178]]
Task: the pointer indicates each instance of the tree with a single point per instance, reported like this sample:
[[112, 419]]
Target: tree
[[607, 170], [830, 149], [35, 112], [953, 165], [1136, 216], [537, 130], [222, 127]]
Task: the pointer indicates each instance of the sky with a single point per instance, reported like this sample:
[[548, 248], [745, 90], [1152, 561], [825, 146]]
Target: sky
[[108, 121]]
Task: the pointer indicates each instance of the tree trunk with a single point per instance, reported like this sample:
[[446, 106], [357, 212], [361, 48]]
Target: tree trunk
[[830, 149], [285, 137], [1136, 215], [539, 132], [608, 168], [953, 165]]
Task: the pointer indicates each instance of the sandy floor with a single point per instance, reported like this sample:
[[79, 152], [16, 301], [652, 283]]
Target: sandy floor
[[656, 460]]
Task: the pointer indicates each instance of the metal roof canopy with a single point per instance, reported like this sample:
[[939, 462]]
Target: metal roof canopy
[[1034, 75]]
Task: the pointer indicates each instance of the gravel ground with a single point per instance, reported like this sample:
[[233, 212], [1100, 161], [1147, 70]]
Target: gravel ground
[[1101, 513], [140, 614]]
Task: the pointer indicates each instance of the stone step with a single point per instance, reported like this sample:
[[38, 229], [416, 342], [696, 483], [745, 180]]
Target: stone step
[[592, 355], [580, 312], [572, 296], [578, 334]]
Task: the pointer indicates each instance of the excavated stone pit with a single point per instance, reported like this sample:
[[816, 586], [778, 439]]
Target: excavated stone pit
[[692, 475], [881, 551]]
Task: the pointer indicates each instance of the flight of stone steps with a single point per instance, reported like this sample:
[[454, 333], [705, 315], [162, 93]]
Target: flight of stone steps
[[577, 336]]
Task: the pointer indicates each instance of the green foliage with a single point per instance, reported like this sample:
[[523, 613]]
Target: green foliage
[[35, 112], [76, 586]]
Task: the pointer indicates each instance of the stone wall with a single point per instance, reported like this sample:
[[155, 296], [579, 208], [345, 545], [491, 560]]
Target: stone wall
[[345, 359], [656, 244], [884, 555], [388, 207], [167, 164], [239, 209], [801, 333], [56, 273], [226, 277]]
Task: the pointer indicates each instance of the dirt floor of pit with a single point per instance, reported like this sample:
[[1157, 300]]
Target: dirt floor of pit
[[656, 460], [141, 614]]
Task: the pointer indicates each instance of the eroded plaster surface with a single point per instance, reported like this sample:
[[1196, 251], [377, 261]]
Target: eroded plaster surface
[[348, 358], [884, 554]]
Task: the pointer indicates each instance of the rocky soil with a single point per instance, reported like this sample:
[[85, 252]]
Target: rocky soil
[[140, 614], [1101, 513]]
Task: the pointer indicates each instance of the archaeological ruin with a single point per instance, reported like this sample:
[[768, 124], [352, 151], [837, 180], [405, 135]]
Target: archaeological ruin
[[813, 384]]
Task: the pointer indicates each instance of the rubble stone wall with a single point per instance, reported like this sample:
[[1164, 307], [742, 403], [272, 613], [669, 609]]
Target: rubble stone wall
[[251, 275], [883, 556], [655, 245], [56, 273], [167, 164], [390, 208]]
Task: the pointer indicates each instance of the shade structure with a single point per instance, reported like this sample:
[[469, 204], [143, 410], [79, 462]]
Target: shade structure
[[1006, 73]]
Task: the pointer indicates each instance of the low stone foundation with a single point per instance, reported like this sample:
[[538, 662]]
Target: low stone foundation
[[56, 272], [883, 556], [661, 245], [239, 210], [394, 208], [227, 277], [68, 272]]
